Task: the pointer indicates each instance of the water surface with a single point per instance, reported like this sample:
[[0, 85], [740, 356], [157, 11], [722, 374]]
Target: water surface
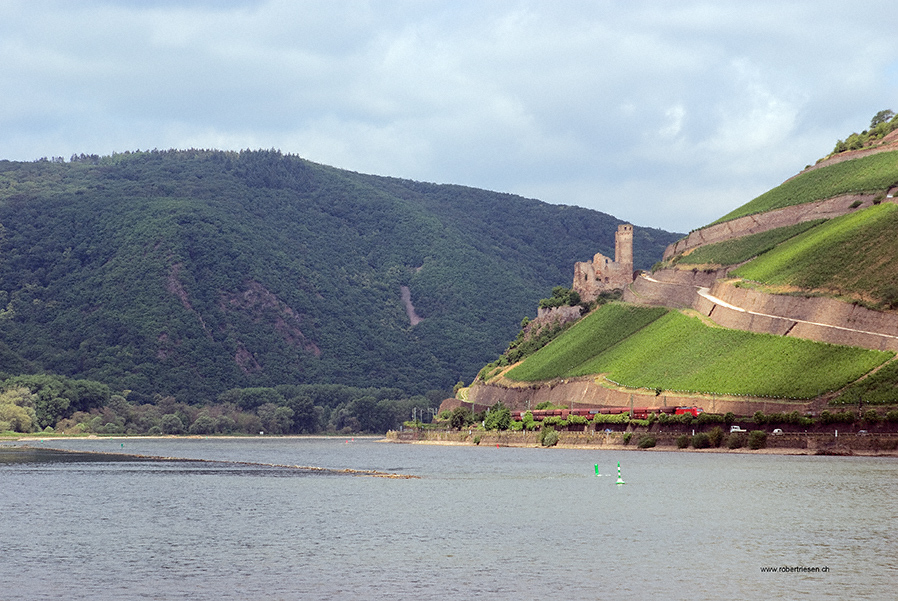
[[480, 522]]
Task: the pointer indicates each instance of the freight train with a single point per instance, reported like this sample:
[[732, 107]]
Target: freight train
[[638, 412]]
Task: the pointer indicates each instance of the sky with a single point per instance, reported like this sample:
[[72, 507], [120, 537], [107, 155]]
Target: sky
[[664, 114]]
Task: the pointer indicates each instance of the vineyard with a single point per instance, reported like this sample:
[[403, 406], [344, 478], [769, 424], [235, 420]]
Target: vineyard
[[874, 173], [594, 334], [742, 249], [850, 255], [677, 352]]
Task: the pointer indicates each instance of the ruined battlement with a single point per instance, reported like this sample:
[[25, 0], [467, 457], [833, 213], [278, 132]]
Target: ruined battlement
[[591, 278]]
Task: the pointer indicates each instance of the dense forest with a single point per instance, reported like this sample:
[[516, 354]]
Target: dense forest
[[186, 274]]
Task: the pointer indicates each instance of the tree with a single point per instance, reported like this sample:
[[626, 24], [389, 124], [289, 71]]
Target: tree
[[498, 418], [171, 424], [275, 419], [460, 417], [881, 117]]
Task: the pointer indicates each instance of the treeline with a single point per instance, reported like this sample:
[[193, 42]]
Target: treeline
[[50, 403], [188, 273], [882, 124]]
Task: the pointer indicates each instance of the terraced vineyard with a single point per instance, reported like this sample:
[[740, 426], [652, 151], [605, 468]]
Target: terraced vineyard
[[873, 173], [677, 352], [849, 255], [742, 249], [597, 332]]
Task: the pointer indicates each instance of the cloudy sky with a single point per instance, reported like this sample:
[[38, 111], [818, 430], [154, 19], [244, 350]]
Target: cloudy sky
[[666, 114]]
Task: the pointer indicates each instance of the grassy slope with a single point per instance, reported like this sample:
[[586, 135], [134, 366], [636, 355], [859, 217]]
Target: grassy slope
[[742, 249], [867, 174], [850, 255], [594, 334], [677, 352]]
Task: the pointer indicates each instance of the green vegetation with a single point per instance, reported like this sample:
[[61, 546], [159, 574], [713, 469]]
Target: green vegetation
[[757, 439], [561, 297], [879, 388], [647, 442], [548, 436], [46, 403], [597, 332], [680, 353], [872, 173], [701, 441], [742, 249], [883, 123], [188, 273], [851, 255], [497, 418]]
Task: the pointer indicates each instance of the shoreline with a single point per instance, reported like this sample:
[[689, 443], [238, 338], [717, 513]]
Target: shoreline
[[27, 438], [872, 445], [658, 449]]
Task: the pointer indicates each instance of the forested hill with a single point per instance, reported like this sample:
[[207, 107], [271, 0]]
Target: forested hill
[[189, 273]]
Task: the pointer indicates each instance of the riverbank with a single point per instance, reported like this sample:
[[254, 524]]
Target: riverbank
[[813, 443]]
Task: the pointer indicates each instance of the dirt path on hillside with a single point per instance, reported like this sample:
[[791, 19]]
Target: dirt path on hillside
[[706, 293]]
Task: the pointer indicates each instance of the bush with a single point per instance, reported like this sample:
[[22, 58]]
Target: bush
[[735, 441], [701, 441], [710, 418], [715, 436], [871, 416], [683, 441], [477, 439], [460, 417], [548, 437], [759, 418], [498, 417], [647, 442], [757, 439], [627, 437]]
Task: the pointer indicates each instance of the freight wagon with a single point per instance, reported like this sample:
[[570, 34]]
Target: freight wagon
[[638, 412]]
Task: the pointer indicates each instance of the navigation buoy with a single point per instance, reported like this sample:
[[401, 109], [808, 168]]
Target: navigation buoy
[[597, 471], [619, 479]]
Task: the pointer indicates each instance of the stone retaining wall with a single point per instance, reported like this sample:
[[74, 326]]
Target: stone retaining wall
[[586, 392], [823, 443], [666, 294], [755, 224], [791, 311]]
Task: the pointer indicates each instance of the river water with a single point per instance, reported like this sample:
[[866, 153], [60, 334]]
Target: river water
[[479, 523]]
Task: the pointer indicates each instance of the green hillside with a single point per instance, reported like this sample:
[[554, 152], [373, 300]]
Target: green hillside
[[851, 256], [873, 173], [189, 273], [660, 349], [737, 250]]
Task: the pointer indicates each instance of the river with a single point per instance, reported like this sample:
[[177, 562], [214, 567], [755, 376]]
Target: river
[[477, 523]]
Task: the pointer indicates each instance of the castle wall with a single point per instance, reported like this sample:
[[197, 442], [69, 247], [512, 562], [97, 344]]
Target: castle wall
[[603, 274]]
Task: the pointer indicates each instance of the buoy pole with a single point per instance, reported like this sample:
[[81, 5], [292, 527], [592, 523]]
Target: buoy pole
[[619, 479], [597, 471]]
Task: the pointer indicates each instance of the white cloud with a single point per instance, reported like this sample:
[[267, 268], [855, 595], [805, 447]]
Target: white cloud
[[665, 114]]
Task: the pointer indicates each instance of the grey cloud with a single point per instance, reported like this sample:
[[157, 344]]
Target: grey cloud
[[665, 114]]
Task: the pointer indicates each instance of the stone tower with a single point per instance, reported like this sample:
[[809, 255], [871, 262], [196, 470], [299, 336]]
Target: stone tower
[[591, 278], [623, 247]]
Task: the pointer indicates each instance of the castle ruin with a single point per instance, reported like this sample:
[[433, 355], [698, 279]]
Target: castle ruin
[[591, 278]]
